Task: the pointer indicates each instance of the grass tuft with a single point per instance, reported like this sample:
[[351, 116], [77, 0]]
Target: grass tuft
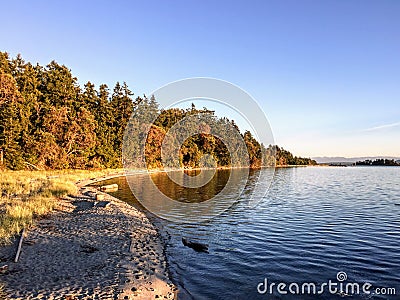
[[2, 292]]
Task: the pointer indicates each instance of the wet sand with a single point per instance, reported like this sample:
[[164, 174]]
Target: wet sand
[[88, 250]]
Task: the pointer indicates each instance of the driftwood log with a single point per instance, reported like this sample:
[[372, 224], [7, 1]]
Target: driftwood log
[[198, 247], [110, 187], [100, 197]]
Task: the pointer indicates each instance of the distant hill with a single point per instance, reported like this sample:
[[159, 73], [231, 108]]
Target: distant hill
[[338, 159]]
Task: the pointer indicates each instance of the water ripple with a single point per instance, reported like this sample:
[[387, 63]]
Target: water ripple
[[313, 223]]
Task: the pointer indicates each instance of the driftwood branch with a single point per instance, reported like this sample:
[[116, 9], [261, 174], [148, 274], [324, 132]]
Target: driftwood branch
[[19, 245]]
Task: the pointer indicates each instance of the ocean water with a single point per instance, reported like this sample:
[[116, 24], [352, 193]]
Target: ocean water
[[312, 224]]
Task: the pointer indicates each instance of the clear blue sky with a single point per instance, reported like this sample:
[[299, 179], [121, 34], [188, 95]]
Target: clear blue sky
[[327, 73]]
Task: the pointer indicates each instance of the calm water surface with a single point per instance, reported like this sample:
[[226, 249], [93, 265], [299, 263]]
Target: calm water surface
[[312, 224]]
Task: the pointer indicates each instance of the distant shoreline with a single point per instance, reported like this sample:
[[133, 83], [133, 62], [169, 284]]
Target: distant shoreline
[[159, 170]]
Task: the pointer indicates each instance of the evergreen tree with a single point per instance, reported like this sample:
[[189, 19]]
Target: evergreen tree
[[122, 105], [13, 121]]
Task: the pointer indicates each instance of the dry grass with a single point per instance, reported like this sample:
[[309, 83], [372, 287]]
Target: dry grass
[[2, 292], [27, 195]]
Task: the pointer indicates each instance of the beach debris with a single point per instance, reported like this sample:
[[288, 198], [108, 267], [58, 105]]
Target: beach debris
[[108, 188], [100, 197], [198, 247], [19, 246]]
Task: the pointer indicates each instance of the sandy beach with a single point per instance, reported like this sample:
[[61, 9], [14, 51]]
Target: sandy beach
[[88, 249]]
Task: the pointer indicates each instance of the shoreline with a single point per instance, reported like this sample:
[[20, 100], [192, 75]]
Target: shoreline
[[58, 230], [83, 250], [170, 289]]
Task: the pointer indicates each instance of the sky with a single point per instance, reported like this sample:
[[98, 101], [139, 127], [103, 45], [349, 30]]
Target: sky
[[326, 73]]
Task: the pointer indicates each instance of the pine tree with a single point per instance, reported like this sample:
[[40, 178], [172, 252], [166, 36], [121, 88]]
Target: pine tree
[[13, 120], [122, 105]]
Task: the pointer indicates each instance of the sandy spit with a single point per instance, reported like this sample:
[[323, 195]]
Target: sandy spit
[[88, 249]]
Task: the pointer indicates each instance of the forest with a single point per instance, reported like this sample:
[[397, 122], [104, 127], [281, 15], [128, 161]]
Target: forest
[[48, 121], [378, 162]]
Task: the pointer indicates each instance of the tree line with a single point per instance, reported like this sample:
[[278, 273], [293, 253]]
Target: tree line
[[378, 162], [49, 121]]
